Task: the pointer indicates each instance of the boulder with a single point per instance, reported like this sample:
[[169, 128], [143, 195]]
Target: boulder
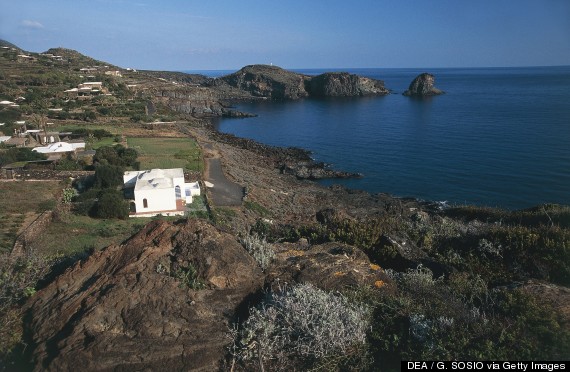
[[422, 86], [329, 266], [133, 306], [343, 84]]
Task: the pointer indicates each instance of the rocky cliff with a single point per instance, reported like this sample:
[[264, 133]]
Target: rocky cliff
[[268, 82], [343, 84], [201, 96], [423, 86]]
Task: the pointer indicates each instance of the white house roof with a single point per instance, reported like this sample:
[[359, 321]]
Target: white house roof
[[153, 179], [158, 178], [59, 147], [6, 103], [4, 138]]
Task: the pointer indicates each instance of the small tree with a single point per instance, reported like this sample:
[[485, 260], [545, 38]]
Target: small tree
[[108, 176], [111, 204]]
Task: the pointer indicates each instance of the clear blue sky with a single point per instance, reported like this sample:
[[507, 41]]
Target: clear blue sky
[[228, 34]]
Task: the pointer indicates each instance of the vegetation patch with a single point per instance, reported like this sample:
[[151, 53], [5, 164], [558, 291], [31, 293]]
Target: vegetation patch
[[167, 153], [302, 327]]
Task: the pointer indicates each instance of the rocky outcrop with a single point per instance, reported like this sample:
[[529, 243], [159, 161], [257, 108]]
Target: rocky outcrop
[[165, 299], [276, 83], [329, 266], [130, 307], [200, 96], [197, 101], [268, 82], [422, 86], [314, 171], [343, 84]]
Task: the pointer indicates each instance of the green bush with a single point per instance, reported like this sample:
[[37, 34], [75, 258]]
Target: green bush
[[108, 176], [117, 155], [15, 154], [111, 204]]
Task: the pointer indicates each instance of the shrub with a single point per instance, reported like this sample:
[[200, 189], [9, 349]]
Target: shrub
[[188, 276], [116, 155], [302, 322], [111, 204], [18, 280], [259, 249], [108, 176]]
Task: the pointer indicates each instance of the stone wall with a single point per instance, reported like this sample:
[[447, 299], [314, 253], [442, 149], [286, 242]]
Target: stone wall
[[48, 174], [31, 233]]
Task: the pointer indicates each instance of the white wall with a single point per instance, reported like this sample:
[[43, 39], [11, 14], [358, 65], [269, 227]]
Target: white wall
[[158, 200]]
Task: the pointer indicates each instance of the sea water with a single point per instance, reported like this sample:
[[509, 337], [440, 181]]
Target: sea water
[[499, 136]]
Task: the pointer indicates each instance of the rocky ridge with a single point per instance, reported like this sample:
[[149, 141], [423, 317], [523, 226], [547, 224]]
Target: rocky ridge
[[272, 82], [167, 297]]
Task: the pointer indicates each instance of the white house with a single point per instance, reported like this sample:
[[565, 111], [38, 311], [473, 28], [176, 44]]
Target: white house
[[158, 191], [57, 149]]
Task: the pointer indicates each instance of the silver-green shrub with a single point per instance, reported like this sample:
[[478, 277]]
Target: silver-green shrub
[[260, 250], [302, 321]]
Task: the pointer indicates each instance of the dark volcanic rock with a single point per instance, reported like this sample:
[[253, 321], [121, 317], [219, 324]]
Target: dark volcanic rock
[[329, 266], [268, 82], [315, 171], [343, 84], [121, 310], [422, 86]]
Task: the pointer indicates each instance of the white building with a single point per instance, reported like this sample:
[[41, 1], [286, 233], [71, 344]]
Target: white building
[[158, 191], [60, 147]]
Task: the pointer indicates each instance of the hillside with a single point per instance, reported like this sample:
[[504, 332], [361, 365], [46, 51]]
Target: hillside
[[294, 277]]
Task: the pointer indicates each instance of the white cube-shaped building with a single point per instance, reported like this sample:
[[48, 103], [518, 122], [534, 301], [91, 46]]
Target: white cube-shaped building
[[159, 191]]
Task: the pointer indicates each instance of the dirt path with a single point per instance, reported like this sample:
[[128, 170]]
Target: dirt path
[[224, 193]]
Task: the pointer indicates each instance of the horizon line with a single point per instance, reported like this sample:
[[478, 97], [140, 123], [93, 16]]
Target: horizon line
[[367, 68]]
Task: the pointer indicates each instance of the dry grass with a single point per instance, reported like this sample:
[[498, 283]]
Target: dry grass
[[20, 203]]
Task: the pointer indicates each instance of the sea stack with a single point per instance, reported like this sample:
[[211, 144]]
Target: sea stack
[[422, 86]]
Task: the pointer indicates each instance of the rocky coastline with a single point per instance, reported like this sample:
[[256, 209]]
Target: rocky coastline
[[289, 160]]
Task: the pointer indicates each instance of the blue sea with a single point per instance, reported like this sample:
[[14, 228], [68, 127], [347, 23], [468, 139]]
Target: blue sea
[[499, 137]]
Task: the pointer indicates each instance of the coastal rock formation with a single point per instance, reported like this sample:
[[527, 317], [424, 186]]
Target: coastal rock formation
[[276, 83], [422, 86], [197, 101], [132, 307], [315, 171], [343, 84], [268, 82], [200, 96]]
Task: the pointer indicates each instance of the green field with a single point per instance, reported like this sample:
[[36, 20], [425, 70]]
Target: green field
[[167, 153]]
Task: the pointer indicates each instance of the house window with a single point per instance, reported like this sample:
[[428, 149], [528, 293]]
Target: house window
[[145, 203]]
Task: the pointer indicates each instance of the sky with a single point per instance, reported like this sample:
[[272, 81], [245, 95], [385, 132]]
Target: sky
[[181, 35]]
